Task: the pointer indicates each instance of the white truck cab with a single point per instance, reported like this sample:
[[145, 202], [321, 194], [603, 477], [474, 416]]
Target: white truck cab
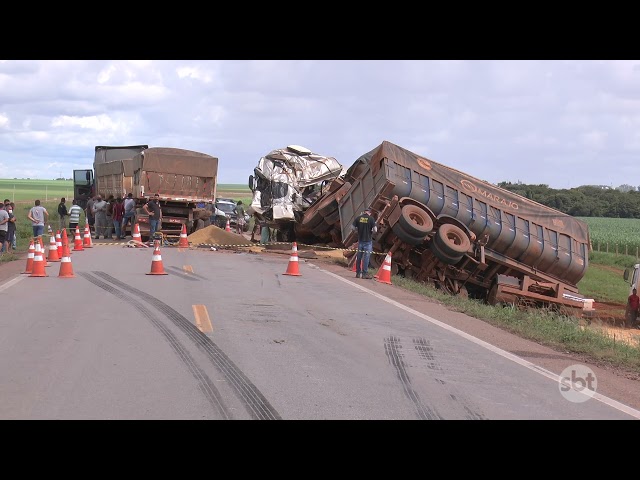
[[631, 276]]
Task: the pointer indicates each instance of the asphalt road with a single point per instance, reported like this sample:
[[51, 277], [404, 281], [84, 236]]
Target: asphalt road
[[226, 335]]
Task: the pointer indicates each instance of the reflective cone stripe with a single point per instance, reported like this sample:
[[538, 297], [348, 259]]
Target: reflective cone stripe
[[38, 263], [53, 250], [292, 267], [384, 274], [30, 255], [184, 242], [44, 258], [77, 241], [156, 262], [86, 240], [66, 269], [136, 233]]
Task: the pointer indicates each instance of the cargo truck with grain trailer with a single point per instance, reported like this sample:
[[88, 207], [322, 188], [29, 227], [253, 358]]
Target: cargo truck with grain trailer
[[464, 235], [182, 178]]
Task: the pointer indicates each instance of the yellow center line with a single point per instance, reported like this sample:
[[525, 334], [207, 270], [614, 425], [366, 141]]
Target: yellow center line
[[187, 268], [202, 318]]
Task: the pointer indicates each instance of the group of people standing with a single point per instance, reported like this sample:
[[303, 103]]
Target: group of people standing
[[110, 216], [7, 226]]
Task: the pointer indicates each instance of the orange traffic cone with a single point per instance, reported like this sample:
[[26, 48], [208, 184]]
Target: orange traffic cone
[[136, 233], [355, 261], [292, 268], [65, 238], [384, 274], [228, 227], [30, 255], [156, 264], [184, 242], [38, 263], [77, 241], [44, 257], [59, 242], [53, 250], [86, 240], [66, 270]]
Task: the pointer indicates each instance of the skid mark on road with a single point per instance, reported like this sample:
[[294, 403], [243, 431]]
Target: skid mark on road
[[392, 348], [426, 352], [204, 382], [503, 353], [255, 402]]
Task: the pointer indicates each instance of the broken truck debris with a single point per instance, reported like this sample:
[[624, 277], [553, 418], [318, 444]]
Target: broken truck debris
[[440, 225]]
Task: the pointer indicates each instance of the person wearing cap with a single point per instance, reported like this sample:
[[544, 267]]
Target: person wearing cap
[[365, 225]]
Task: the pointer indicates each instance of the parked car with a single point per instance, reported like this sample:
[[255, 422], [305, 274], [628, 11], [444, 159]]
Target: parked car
[[229, 208]]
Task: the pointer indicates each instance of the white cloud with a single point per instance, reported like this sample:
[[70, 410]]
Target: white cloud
[[483, 117]]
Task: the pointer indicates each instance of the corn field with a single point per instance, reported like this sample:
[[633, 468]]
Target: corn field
[[614, 235]]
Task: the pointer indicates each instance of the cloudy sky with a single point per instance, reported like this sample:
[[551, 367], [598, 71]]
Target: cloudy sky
[[560, 123]]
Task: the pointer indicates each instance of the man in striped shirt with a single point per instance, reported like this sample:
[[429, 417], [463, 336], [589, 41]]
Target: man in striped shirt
[[74, 216]]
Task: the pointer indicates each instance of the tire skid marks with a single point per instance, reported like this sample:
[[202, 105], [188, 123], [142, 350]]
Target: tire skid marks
[[425, 351], [392, 348], [204, 382], [257, 405]]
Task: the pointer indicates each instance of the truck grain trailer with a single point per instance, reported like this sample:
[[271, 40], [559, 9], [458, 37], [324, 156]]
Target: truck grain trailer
[[462, 234], [182, 178]]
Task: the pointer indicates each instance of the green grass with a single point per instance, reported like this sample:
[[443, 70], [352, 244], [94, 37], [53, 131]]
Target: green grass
[[22, 190]]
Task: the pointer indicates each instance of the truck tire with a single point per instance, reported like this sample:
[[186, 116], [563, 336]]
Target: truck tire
[[442, 256], [452, 240], [405, 237], [415, 221]]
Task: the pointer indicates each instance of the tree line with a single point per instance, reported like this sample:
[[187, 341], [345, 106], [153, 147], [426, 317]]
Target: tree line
[[584, 201]]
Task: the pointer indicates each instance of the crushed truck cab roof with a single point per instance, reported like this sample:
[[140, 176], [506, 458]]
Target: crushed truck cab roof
[[287, 180]]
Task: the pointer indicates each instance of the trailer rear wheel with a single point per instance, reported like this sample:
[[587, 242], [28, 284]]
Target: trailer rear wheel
[[442, 256], [451, 240], [415, 221], [405, 237]]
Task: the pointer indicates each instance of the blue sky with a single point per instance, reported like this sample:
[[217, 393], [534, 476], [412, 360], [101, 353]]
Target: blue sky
[[560, 123]]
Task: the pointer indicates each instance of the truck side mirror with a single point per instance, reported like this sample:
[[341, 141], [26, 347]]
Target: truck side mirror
[[88, 175], [626, 274], [252, 185]]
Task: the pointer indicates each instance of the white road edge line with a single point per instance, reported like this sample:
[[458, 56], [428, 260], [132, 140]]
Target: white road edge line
[[11, 282], [503, 353]]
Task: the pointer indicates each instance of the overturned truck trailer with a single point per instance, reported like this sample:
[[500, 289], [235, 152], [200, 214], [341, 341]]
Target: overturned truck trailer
[[460, 233]]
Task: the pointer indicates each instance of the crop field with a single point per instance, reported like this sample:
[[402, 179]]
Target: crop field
[[614, 235], [26, 191]]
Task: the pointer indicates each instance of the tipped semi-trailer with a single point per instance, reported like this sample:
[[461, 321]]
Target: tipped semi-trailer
[[462, 234]]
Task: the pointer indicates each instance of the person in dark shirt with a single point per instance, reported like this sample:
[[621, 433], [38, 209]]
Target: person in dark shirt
[[152, 208], [365, 224], [633, 303]]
